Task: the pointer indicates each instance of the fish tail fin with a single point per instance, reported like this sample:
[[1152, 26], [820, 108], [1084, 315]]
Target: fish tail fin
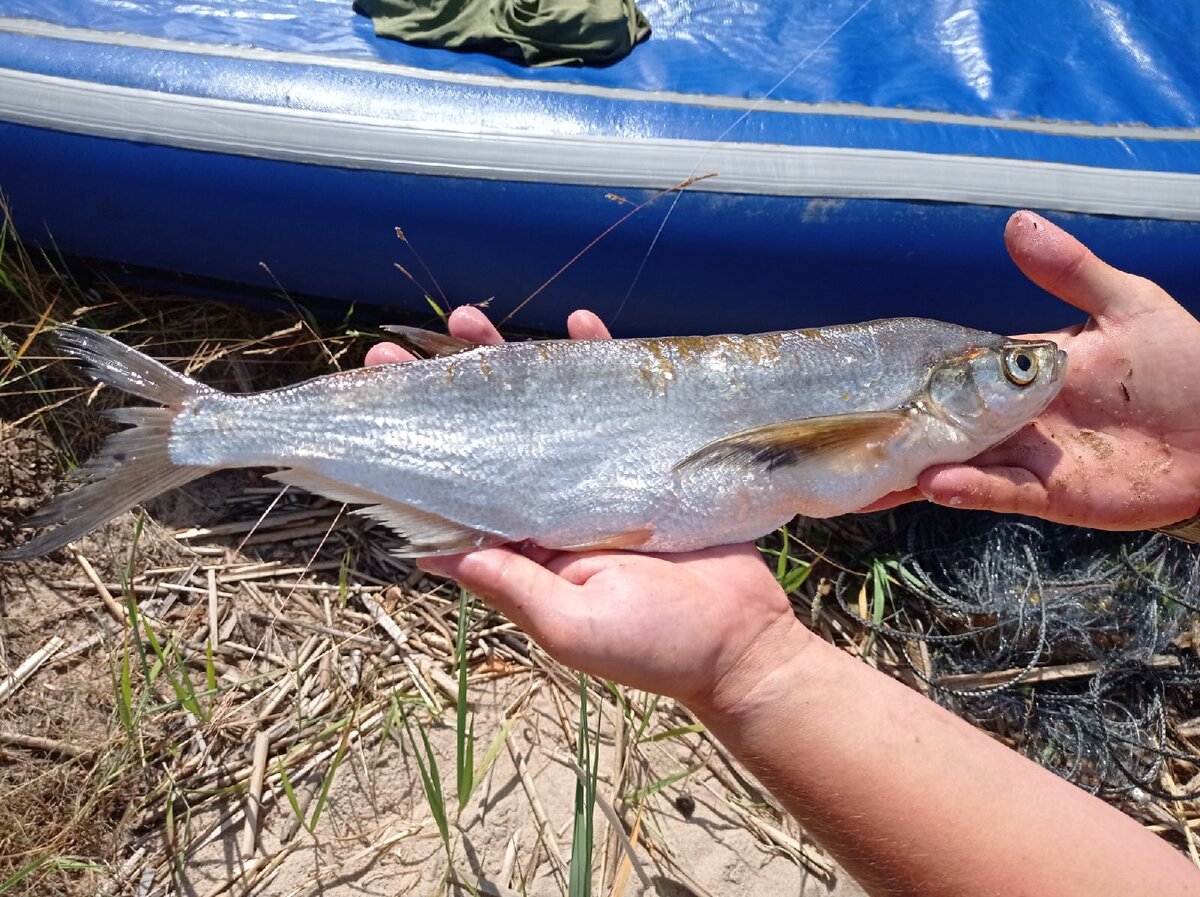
[[115, 364], [133, 465]]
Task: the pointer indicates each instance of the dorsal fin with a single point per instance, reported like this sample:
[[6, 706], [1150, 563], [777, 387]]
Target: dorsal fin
[[793, 441], [426, 343]]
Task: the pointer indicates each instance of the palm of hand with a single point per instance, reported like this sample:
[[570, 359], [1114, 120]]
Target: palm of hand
[[1120, 446], [1125, 457], [674, 624]]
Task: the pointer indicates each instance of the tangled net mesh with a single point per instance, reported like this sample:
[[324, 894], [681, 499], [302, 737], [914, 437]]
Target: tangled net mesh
[[1076, 647]]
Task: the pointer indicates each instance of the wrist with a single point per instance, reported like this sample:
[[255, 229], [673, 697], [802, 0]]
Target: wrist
[[770, 672]]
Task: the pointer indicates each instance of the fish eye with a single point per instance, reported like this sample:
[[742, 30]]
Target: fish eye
[[1020, 366]]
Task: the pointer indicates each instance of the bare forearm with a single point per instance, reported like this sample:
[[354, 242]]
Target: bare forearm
[[912, 800]]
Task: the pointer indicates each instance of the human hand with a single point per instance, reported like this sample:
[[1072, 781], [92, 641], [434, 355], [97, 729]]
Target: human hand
[[1119, 448], [704, 627]]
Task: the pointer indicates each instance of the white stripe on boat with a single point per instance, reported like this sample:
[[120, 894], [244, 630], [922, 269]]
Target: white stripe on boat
[[535, 154]]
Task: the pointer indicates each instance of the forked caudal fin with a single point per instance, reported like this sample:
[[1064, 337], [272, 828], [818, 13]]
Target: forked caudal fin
[[132, 466]]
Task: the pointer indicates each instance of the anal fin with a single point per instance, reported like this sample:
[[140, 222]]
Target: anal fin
[[841, 438], [425, 533]]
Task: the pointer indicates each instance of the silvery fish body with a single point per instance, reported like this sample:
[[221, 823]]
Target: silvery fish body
[[666, 444]]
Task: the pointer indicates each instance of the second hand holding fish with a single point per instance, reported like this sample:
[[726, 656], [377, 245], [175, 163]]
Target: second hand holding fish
[[1119, 448]]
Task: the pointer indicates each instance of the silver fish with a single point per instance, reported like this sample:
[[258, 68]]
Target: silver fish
[[666, 444]]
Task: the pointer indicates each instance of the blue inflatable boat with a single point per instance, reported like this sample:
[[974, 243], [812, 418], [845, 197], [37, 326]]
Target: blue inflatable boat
[[852, 159]]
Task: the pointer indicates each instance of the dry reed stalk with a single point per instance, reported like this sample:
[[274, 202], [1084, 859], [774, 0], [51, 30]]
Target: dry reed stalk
[[137, 588], [28, 667], [814, 860], [262, 747], [123, 877], [110, 604], [214, 623], [621, 876], [240, 527], [398, 636], [545, 831], [1081, 670], [46, 745], [510, 860]]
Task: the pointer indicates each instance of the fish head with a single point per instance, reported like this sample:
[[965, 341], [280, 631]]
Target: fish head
[[993, 390]]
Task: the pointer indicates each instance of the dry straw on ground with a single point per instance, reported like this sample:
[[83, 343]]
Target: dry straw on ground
[[244, 692]]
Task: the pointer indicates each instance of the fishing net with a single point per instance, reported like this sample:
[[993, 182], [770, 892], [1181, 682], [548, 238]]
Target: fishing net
[[1074, 646]]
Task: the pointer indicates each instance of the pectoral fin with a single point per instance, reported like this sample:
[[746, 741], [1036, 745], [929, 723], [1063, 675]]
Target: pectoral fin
[[425, 533], [426, 343], [844, 438], [1185, 530]]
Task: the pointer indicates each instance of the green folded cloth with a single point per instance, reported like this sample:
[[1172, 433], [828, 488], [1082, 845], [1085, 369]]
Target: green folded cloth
[[533, 32]]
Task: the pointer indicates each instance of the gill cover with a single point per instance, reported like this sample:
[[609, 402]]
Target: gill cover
[[991, 390]]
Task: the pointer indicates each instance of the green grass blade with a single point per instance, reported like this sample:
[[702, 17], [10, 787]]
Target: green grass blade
[[644, 722], [677, 731], [431, 780], [781, 561], [493, 749], [328, 783], [795, 577], [466, 774], [22, 874], [636, 797], [881, 591], [286, 781], [124, 689], [437, 308], [579, 882], [464, 755]]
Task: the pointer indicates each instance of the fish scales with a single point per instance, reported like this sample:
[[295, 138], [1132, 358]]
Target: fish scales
[[576, 419], [573, 444]]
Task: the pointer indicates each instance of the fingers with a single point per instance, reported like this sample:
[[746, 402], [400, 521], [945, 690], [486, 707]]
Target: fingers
[[387, 353], [469, 323], [893, 500], [583, 324], [1060, 264], [1006, 490], [533, 597]]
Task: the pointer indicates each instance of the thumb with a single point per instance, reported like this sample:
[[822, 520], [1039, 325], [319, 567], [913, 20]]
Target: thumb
[[1060, 264], [537, 600], [1006, 490]]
